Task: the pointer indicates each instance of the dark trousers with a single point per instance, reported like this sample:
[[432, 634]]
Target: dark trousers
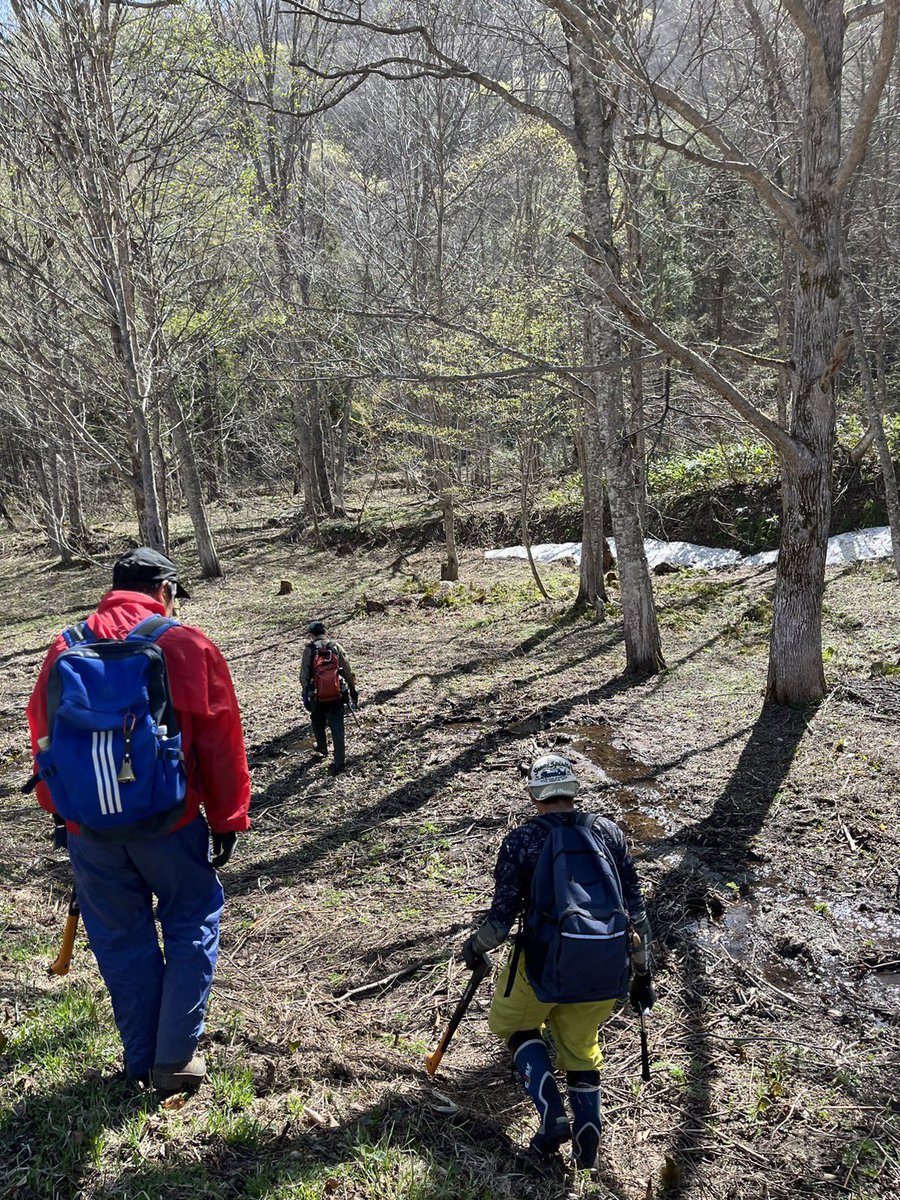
[[329, 716]]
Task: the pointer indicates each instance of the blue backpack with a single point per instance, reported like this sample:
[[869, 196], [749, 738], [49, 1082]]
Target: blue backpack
[[113, 759], [575, 930]]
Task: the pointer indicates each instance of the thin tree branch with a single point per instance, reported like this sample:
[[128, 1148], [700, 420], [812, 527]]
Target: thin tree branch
[[862, 12], [733, 157], [869, 108], [621, 298], [817, 64], [444, 62]]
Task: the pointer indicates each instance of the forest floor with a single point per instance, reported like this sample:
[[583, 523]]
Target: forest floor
[[767, 841]]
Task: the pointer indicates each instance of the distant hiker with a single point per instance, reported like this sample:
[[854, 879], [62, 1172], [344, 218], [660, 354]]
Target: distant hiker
[[568, 968], [327, 684], [134, 726]]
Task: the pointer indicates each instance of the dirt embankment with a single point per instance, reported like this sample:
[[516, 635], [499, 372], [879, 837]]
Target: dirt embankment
[[743, 517], [767, 841]]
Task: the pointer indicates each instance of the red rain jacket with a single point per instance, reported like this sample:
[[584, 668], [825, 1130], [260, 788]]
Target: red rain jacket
[[211, 735]]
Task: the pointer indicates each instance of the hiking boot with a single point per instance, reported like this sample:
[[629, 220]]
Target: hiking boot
[[179, 1077], [584, 1097], [320, 751], [532, 1060], [337, 768]]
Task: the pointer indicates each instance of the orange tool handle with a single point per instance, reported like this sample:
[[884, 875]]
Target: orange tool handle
[[64, 958], [433, 1060]]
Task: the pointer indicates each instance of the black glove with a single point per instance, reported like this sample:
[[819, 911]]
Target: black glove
[[60, 833], [471, 957], [307, 703], [223, 846], [354, 698], [641, 993]]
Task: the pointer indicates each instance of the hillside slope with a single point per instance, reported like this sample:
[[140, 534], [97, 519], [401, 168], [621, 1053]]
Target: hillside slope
[[768, 844]]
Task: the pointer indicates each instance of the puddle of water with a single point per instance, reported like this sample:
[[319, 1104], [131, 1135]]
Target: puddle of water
[[604, 762], [604, 758]]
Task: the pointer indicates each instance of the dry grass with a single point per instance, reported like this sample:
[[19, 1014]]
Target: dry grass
[[768, 843]]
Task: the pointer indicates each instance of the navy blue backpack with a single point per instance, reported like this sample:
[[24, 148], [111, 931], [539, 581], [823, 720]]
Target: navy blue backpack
[[113, 758], [575, 930]]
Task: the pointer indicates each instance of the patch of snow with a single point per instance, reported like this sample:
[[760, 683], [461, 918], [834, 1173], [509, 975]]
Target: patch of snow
[[858, 546], [843, 548], [687, 554], [679, 554], [542, 552], [766, 558]]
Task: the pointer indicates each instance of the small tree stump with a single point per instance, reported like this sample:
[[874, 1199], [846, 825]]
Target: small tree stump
[[285, 588]]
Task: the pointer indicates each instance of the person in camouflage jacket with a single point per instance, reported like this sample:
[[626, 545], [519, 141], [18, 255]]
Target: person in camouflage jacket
[[517, 1016]]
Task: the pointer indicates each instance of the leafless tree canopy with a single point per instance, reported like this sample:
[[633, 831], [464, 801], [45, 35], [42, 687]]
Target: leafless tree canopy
[[256, 245]]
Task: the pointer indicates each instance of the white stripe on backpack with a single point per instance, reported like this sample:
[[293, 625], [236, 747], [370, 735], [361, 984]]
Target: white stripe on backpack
[[98, 770], [115, 795], [593, 937]]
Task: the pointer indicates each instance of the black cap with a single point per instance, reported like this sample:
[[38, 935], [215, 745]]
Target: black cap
[[146, 566], [316, 628]]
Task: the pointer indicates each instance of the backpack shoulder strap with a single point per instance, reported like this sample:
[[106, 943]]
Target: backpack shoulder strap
[[590, 823], [75, 634], [544, 822], [152, 627]]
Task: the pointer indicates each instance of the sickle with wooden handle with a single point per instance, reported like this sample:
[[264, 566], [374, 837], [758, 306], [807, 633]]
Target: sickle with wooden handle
[[433, 1060], [64, 958]]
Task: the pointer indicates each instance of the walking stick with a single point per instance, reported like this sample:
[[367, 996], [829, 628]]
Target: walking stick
[[433, 1060], [64, 958], [645, 1049]]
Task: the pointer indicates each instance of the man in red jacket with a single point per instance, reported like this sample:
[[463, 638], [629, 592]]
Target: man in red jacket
[[159, 996]]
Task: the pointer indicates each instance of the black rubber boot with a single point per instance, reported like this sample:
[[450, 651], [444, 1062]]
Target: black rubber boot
[[532, 1059], [584, 1097]]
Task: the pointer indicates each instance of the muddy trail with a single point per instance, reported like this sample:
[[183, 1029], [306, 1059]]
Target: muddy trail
[[767, 842]]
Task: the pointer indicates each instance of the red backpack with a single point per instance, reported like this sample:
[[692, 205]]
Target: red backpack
[[326, 675]]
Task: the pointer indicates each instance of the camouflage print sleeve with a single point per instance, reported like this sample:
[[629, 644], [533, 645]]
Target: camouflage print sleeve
[[512, 881]]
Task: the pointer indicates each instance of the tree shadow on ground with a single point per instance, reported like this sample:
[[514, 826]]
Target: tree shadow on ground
[[558, 623], [719, 842], [409, 797], [740, 812]]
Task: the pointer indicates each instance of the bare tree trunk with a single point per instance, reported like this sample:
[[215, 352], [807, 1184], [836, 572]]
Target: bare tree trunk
[[149, 517], [193, 489], [159, 464], [319, 457], [636, 377], [5, 514], [594, 118], [304, 474], [796, 674], [450, 565], [784, 324], [876, 424], [526, 461], [74, 498], [589, 445], [50, 503], [340, 473]]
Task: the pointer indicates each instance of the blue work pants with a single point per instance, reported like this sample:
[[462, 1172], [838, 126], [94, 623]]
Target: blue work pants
[[158, 995]]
